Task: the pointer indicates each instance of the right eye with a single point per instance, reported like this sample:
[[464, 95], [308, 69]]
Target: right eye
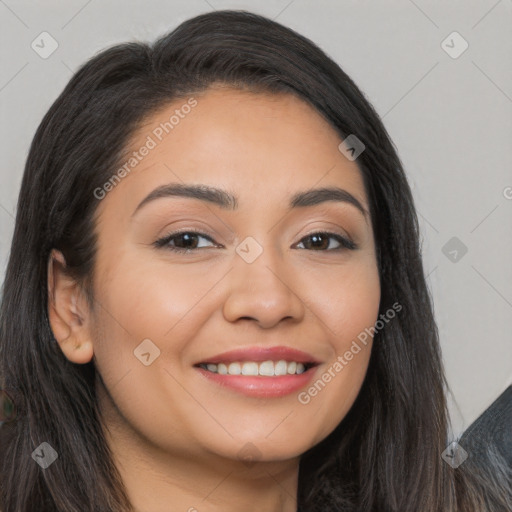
[[184, 241]]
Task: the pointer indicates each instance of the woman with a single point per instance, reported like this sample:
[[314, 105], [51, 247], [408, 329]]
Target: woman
[[215, 297]]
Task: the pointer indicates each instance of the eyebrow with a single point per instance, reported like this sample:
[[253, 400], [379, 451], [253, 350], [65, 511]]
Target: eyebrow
[[227, 201]]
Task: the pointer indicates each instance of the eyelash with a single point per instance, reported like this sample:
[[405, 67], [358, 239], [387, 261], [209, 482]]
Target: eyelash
[[345, 243]]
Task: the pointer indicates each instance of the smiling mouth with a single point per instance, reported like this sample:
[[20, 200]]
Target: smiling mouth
[[253, 368]]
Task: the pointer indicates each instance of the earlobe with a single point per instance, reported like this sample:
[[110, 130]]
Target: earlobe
[[68, 312]]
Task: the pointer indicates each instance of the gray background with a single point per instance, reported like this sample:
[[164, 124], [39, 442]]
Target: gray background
[[450, 119]]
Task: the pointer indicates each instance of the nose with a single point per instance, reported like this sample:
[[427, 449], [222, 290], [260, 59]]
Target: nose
[[263, 291]]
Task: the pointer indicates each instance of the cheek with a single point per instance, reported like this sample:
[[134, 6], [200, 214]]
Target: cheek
[[350, 311], [150, 299], [347, 302], [143, 301], [345, 297]]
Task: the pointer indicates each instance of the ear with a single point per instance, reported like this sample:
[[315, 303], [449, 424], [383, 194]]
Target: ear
[[68, 311]]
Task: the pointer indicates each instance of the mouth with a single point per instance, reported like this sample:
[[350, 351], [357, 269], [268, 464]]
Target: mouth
[[254, 368], [260, 372]]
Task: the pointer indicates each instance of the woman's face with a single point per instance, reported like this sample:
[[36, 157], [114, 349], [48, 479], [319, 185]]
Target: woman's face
[[259, 278]]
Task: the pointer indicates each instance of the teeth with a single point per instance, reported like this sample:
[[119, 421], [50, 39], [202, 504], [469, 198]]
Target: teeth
[[267, 368], [252, 368], [234, 369], [280, 368]]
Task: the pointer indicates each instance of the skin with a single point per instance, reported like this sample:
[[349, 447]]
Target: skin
[[176, 438]]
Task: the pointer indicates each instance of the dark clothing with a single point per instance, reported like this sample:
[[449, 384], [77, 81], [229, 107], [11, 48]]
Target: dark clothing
[[492, 427]]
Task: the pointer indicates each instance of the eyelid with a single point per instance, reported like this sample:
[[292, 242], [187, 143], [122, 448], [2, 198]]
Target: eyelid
[[334, 228], [328, 231]]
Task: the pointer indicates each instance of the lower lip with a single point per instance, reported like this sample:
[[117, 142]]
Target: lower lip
[[259, 386]]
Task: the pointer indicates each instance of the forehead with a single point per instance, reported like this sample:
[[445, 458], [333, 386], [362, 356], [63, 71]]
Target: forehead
[[255, 144]]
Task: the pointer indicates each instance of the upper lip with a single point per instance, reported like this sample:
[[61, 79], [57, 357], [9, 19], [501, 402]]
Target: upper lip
[[260, 354]]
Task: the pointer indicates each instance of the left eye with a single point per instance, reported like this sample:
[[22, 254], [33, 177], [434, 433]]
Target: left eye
[[186, 241], [318, 241]]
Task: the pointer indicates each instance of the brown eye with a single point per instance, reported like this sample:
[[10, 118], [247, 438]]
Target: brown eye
[[183, 241], [321, 242]]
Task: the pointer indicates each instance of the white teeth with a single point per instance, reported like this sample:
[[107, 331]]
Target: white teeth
[[234, 369], [267, 368], [281, 368], [292, 367], [252, 368]]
